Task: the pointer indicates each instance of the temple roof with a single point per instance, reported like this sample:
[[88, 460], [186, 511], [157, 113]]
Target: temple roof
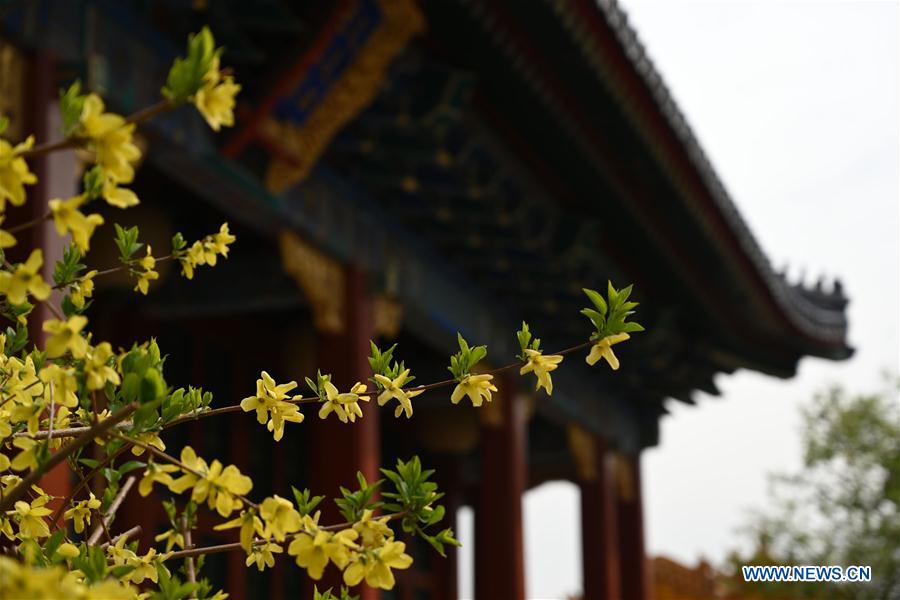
[[510, 155]]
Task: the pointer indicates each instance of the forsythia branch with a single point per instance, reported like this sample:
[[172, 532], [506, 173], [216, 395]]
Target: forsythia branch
[[97, 430], [145, 114]]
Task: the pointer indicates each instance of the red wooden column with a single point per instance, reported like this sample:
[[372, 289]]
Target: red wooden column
[[446, 569], [634, 573], [499, 549], [599, 535], [336, 450]]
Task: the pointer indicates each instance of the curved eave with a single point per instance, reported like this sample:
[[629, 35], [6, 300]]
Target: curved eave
[[612, 49]]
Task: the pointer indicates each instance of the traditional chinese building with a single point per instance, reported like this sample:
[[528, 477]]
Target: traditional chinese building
[[401, 171]]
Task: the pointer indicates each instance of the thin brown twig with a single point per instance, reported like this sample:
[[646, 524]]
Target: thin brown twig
[[109, 271], [111, 511], [188, 545], [194, 416], [31, 223], [128, 533], [102, 525]]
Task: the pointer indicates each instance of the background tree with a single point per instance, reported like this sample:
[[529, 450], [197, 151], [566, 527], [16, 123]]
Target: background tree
[[843, 508]]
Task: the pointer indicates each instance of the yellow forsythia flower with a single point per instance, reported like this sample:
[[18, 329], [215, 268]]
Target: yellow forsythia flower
[[7, 240], [68, 550], [271, 404], [541, 366], [215, 100], [151, 438], [97, 369], [14, 173], [219, 486], [204, 252], [21, 580], [373, 532], [68, 219], [31, 517], [61, 386], [313, 548], [144, 567], [148, 263], [27, 459], [603, 349], [375, 565], [262, 555], [250, 525], [172, 538], [82, 289], [118, 196], [119, 554], [345, 406], [280, 517], [477, 387], [394, 389], [66, 335], [81, 511], [25, 279], [156, 473], [110, 137]]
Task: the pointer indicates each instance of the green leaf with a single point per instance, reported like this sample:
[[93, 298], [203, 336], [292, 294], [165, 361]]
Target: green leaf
[[186, 74], [93, 181], [126, 241], [4, 123], [597, 300], [71, 104], [306, 503]]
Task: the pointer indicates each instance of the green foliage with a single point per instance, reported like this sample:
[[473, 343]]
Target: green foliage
[[526, 341], [14, 311], [143, 382], [381, 365], [609, 316], [114, 476], [178, 243], [93, 181], [181, 402], [843, 507], [66, 270], [186, 75], [16, 338], [92, 563], [463, 361], [46, 555], [71, 103], [171, 587], [4, 123], [318, 386], [328, 595], [306, 502], [353, 504], [126, 242], [414, 496], [380, 361]]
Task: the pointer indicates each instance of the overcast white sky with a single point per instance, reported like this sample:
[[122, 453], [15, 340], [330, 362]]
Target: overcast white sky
[[796, 105]]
